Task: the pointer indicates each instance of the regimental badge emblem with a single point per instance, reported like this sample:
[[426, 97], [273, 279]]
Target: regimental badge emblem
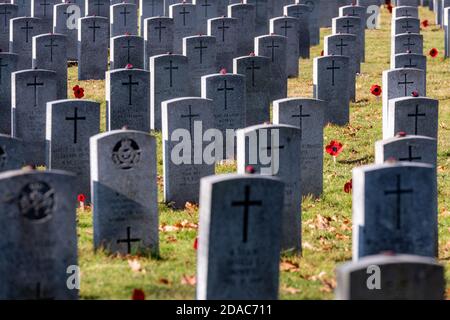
[[126, 154], [36, 201]]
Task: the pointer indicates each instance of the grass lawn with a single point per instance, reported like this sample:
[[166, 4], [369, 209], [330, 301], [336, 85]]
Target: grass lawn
[[326, 222]]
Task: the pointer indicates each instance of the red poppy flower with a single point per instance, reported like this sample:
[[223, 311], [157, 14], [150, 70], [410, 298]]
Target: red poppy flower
[[425, 23], [375, 90], [389, 7], [250, 169], [415, 94], [401, 134], [223, 71], [196, 243], [138, 294], [81, 197], [334, 148], [434, 52], [348, 186], [78, 92], [129, 66]]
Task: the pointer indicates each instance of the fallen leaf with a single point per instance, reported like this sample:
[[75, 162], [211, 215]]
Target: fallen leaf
[[135, 265], [164, 281], [290, 290], [188, 280], [288, 266]]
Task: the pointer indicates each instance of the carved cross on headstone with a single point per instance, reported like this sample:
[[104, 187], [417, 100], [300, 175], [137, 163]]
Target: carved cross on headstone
[[51, 46], [253, 68], [27, 28], [333, 68], [75, 119], [201, 47], [246, 204], [159, 28], [130, 85], [171, 68], [225, 90], [398, 192], [128, 240], [405, 83], [94, 27], [410, 157], [35, 84], [416, 115]]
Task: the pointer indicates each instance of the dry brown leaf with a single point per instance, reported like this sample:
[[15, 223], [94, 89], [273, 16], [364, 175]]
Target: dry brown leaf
[[191, 207], [135, 265], [288, 266], [290, 290], [188, 280], [164, 281]]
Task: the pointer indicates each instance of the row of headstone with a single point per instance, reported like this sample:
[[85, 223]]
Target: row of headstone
[[395, 199]]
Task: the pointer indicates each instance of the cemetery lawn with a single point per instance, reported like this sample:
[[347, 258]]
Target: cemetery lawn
[[326, 222]]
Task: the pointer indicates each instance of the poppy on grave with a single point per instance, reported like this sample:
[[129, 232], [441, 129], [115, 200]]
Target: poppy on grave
[[81, 198], [434, 53], [375, 90], [250, 169], [415, 94], [334, 148], [425, 23], [78, 92], [138, 294], [196, 243], [389, 7], [348, 186]]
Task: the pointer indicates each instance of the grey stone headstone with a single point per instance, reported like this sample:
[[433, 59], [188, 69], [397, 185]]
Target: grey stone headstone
[[415, 116], [30, 92], [367, 4], [124, 192], [62, 13], [125, 50], [345, 45], [331, 84], [205, 10], [201, 52], [407, 43], [410, 3], [308, 115], [405, 12], [226, 33], [168, 3], [7, 12], [352, 25], [275, 150], [38, 231], [314, 26], [188, 117], [149, 9], [288, 27], [128, 99], [158, 37], [395, 209], [169, 79], [355, 11], [256, 70], [184, 23], [11, 153], [22, 31], [403, 277], [399, 83], [445, 5], [24, 7], [8, 65], [123, 19], [246, 22], [93, 41], [69, 125], [50, 53], [98, 8], [275, 48], [405, 25], [262, 16], [239, 237], [303, 15], [438, 11], [227, 91], [407, 148], [82, 5], [410, 60], [447, 32], [43, 9]]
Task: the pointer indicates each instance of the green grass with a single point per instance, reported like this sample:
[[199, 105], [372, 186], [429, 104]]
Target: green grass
[[326, 221]]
